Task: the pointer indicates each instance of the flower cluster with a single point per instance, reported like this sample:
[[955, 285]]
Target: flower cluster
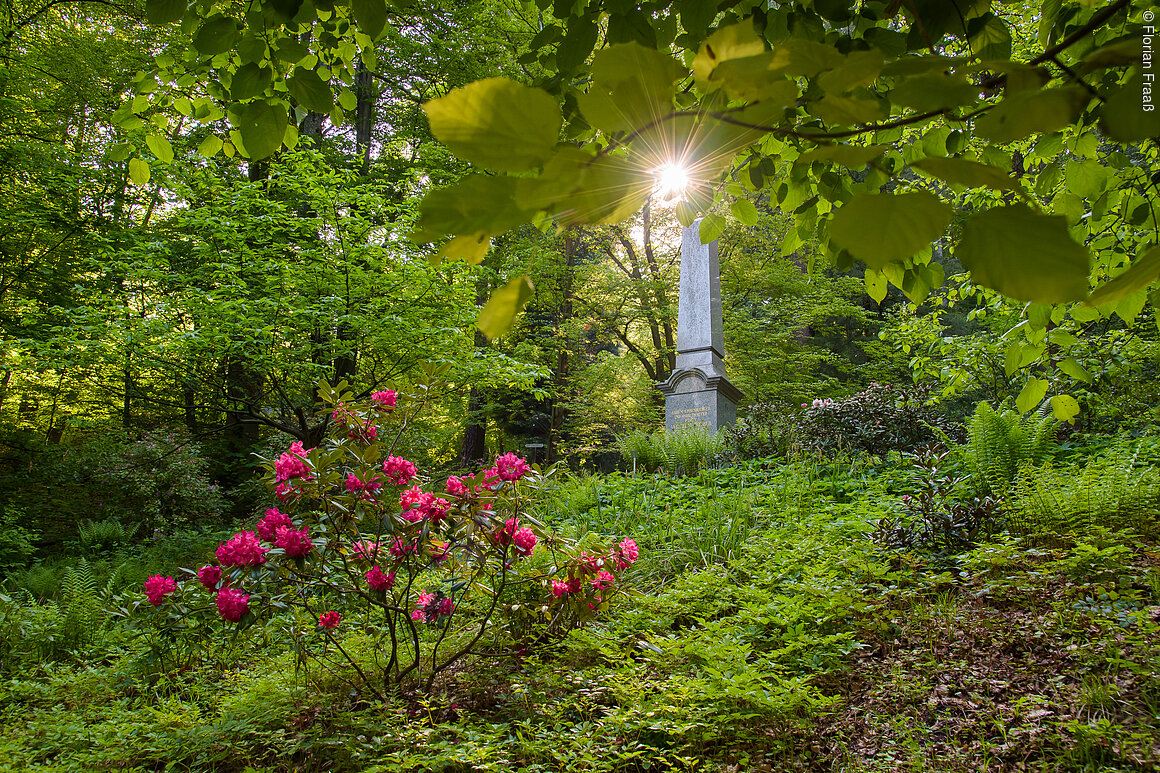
[[157, 587], [418, 505], [295, 543], [329, 620], [378, 581], [366, 489], [399, 471], [242, 549], [268, 526], [385, 400], [522, 539], [233, 604], [210, 576], [509, 467]]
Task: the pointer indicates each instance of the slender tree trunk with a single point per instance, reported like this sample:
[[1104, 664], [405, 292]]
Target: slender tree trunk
[[562, 375]]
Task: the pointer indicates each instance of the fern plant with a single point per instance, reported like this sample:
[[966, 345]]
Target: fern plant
[[81, 606], [1000, 442], [642, 449]]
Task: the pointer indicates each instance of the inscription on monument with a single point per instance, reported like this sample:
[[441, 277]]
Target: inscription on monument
[[697, 415]]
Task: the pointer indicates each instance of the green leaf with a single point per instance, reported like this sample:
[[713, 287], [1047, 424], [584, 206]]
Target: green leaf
[[1143, 272], [934, 91], [1065, 408], [613, 190], [347, 99], [216, 36], [797, 56], [1025, 255], [1124, 117], [120, 152], [164, 11], [879, 229], [563, 173], [875, 285], [160, 147], [210, 146], [477, 203], [1129, 308], [852, 156], [697, 16], [712, 226], [745, 211], [637, 80], [497, 123], [249, 81], [860, 68], [737, 41], [499, 314], [261, 126], [577, 43], [309, 91], [1032, 394], [1029, 112], [290, 50], [1071, 367], [370, 16], [847, 111], [471, 248], [989, 37], [138, 171], [969, 173], [1086, 179]]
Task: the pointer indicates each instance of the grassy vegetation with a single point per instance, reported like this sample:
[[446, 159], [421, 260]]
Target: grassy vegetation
[[766, 629]]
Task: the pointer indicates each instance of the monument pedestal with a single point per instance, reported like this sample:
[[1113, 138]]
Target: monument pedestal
[[698, 391]]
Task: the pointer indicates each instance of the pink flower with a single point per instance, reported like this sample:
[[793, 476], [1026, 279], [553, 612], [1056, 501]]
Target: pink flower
[[385, 400], [625, 553], [379, 581], [560, 588], [511, 467], [575, 584], [242, 549], [399, 471], [292, 464], [446, 606], [329, 620], [157, 587], [524, 541], [296, 544], [417, 615], [367, 549], [431, 606], [439, 550], [456, 487], [503, 535], [209, 576], [401, 548], [267, 528], [367, 432], [603, 580], [365, 489], [233, 604], [418, 504]]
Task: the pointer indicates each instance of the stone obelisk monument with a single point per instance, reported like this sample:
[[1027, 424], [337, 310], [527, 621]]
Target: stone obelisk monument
[[698, 391]]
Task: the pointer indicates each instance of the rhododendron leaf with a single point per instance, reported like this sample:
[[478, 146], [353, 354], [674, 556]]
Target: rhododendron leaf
[[1025, 255], [499, 314], [497, 123], [879, 229]]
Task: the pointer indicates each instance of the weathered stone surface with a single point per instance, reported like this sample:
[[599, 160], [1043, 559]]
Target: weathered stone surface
[[698, 391]]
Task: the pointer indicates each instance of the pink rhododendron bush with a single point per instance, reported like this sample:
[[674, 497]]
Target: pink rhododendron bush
[[359, 542]]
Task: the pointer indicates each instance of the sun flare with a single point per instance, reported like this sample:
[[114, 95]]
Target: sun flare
[[672, 179]]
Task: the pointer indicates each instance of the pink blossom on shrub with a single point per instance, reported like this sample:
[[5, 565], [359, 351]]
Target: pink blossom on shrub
[[626, 553], [402, 547], [267, 528], [329, 620], [385, 400], [366, 489], [511, 467], [490, 480], [399, 471], [456, 487], [439, 550], [418, 504], [209, 576], [575, 584], [157, 587], [379, 581], [296, 544], [503, 535], [417, 615], [446, 606], [367, 432], [292, 464], [524, 541], [591, 563], [242, 549], [603, 580], [366, 549], [233, 604], [560, 588]]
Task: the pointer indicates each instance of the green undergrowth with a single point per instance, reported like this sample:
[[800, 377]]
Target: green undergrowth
[[764, 630]]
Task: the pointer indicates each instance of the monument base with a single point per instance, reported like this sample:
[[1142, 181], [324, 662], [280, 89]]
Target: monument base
[[693, 396]]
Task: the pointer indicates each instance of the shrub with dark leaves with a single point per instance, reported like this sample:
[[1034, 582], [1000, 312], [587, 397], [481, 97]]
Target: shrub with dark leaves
[[877, 420]]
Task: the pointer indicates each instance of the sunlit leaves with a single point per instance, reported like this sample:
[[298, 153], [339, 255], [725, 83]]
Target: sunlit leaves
[[1032, 394], [876, 285], [737, 41], [217, 35], [1144, 270], [577, 44], [477, 203], [138, 171], [745, 211], [497, 123], [1065, 408], [471, 248], [210, 146], [711, 228], [1025, 255], [160, 147], [249, 81], [499, 313], [853, 156], [934, 91], [613, 190], [633, 87], [883, 228]]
